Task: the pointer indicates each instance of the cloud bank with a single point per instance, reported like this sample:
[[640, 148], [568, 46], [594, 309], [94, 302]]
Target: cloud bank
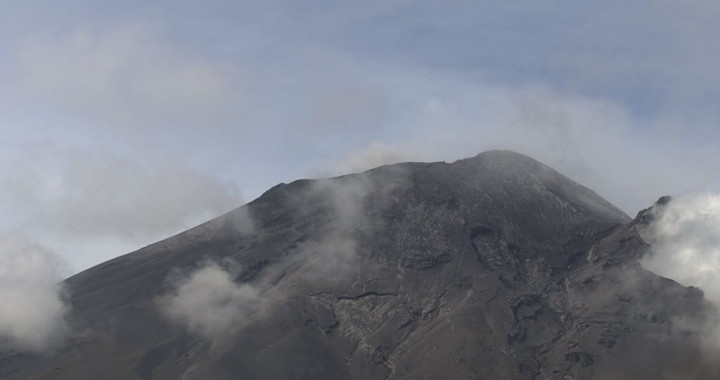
[[596, 142], [619, 96], [685, 239], [85, 204], [32, 311], [122, 73]]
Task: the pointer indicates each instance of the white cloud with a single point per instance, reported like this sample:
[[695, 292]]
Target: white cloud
[[91, 207], [32, 312], [88, 194], [209, 303], [124, 74], [120, 197], [594, 141], [378, 82], [376, 154], [685, 238]]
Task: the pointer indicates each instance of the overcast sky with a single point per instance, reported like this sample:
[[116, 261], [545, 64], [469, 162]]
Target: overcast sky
[[124, 122]]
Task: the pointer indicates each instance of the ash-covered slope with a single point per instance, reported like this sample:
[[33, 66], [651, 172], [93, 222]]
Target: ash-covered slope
[[491, 267]]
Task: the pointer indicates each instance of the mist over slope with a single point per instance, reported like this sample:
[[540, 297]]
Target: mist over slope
[[495, 266], [32, 309]]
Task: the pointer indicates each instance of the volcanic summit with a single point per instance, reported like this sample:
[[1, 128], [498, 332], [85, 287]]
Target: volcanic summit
[[491, 267]]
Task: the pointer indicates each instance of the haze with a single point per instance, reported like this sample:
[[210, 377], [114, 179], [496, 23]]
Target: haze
[[125, 122]]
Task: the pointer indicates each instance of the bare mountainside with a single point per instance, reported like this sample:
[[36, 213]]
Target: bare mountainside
[[492, 267]]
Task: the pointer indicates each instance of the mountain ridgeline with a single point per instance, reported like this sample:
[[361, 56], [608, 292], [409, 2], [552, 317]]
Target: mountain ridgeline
[[492, 267]]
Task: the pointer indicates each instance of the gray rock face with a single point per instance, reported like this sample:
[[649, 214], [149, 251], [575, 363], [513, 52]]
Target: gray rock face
[[493, 267]]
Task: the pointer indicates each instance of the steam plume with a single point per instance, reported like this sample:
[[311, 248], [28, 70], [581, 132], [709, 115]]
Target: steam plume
[[32, 313], [208, 302]]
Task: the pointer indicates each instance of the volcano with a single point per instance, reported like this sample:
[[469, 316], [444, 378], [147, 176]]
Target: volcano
[[491, 267]]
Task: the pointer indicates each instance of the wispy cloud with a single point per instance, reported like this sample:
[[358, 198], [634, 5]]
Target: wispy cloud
[[331, 254], [125, 74], [75, 195], [620, 96], [595, 142]]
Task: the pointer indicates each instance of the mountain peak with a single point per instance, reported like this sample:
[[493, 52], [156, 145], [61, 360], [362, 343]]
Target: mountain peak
[[496, 266], [508, 165]]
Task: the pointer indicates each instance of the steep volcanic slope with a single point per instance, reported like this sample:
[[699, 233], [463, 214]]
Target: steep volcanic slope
[[490, 267]]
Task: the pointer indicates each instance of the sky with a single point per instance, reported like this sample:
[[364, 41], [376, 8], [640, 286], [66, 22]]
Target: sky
[[122, 123]]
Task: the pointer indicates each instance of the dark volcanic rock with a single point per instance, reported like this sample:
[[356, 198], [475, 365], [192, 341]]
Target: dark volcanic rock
[[493, 267]]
